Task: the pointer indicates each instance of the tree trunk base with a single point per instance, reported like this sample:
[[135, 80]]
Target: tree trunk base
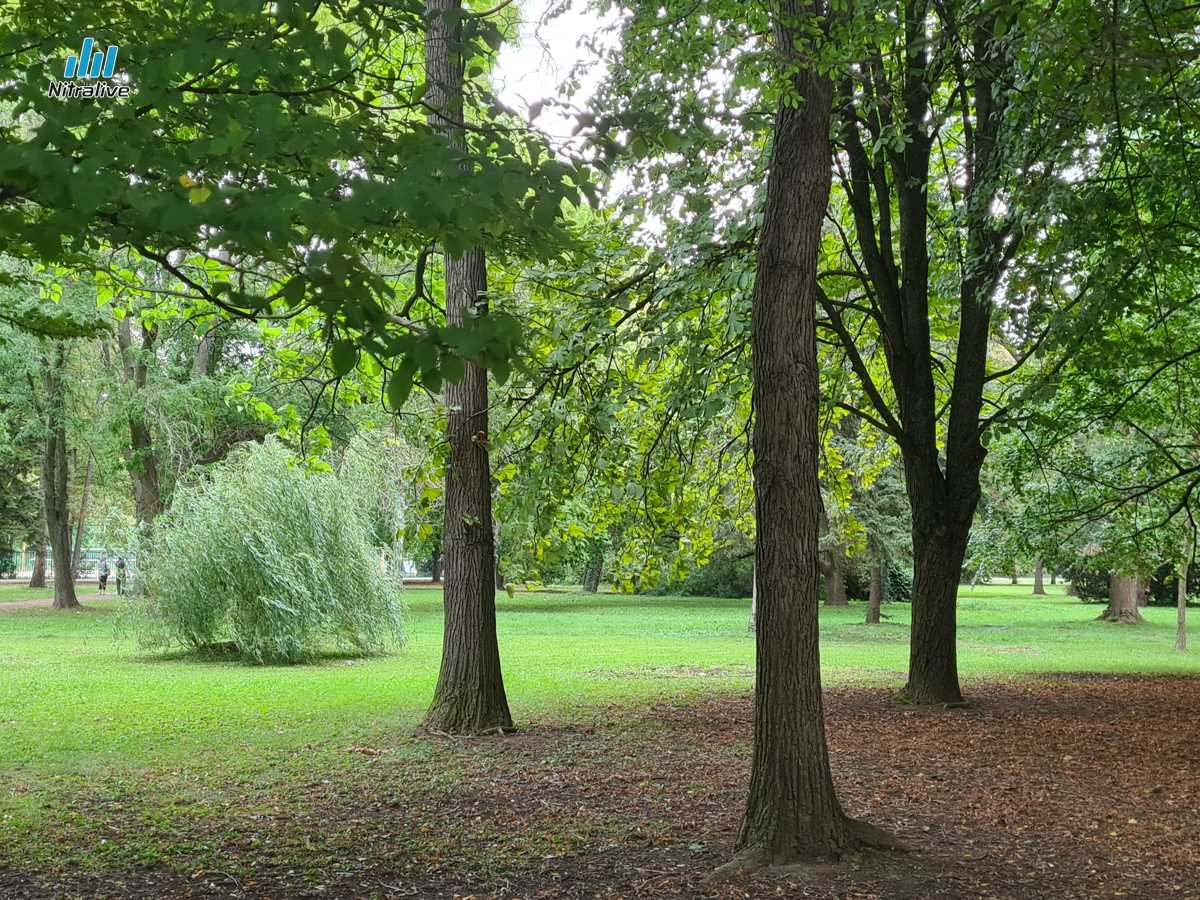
[[1123, 617], [855, 835]]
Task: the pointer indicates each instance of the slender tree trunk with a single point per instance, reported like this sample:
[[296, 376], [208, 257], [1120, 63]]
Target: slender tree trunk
[[55, 480], [82, 523], [469, 696], [1123, 594], [1053, 577], [437, 566], [1039, 586], [37, 578], [140, 456], [1014, 575], [875, 598], [792, 812], [592, 574], [1181, 609]]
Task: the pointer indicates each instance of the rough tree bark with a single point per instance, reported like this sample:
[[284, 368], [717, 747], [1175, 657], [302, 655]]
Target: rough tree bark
[[1124, 592], [55, 478], [1039, 586], [140, 456], [752, 625], [875, 598], [82, 522], [792, 812], [469, 696], [1181, 610]]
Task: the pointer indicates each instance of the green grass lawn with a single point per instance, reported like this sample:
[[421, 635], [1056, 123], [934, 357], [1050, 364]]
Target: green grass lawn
[[79, 710]]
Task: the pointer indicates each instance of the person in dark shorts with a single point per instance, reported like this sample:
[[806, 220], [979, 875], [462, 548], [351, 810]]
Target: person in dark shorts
[[102, 573], [120, 567]]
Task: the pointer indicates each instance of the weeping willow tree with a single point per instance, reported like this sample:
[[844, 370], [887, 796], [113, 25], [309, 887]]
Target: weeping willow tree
[[277, 562]]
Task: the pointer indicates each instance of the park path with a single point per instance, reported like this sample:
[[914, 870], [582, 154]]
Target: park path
[[43, 601]]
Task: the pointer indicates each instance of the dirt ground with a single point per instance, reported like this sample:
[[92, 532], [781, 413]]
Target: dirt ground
[[1080, 787]]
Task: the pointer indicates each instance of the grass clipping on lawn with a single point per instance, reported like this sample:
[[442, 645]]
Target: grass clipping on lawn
[[269, 558]]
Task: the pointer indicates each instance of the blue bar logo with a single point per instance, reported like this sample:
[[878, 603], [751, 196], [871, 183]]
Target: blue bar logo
[[91, 65], [90, 62]]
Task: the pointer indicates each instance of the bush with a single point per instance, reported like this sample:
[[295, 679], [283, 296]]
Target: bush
[[271, 558], [725, 577], [8, 564], [899, 586]]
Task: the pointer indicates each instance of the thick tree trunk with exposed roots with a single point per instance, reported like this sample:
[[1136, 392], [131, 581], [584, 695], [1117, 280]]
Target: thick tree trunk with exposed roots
[[875, 597], [792, 812], [1124, 592], [1039, 584], [469, 697]]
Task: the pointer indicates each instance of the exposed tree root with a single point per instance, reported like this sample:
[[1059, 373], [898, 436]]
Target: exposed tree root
[[859, 836]]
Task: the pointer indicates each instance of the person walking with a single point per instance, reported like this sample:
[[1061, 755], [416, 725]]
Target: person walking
[[102, 573], [120, 566]]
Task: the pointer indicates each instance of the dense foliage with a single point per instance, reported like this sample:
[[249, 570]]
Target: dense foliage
[[276, 560]]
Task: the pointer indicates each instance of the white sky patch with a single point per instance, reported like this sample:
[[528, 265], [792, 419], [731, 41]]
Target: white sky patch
[[550, 53]]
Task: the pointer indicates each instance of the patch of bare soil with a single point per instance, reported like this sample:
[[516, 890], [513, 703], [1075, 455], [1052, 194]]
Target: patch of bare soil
[[1083, 788]]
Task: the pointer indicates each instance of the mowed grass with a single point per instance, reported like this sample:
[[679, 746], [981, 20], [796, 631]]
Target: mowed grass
[[81, 712]]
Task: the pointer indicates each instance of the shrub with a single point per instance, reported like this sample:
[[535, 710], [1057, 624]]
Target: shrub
[[725, 577], [899, 585], [269, 557]]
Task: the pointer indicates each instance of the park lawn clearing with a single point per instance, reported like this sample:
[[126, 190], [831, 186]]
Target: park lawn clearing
[[176, 773]]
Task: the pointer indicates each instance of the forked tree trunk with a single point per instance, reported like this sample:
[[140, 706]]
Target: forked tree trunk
[[37, 578], [1181, 609], [592, 573], [82, 523], [55, 480], [469, 696], [1039, 585], [1124, 591], [792, 812], [875, 598]]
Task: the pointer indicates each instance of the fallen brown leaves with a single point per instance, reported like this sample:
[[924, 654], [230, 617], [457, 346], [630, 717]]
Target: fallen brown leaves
[[1082, 787]]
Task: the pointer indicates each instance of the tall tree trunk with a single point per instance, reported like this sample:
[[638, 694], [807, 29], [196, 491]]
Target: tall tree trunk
[[55, 479], [792, 812], [37, 578], [437, 566], [1124, 591], [1039, 586], [1181, 609], [592, 574], [82, 523], [875, 597], [140, 456], [469, 696], [1053, 577]]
